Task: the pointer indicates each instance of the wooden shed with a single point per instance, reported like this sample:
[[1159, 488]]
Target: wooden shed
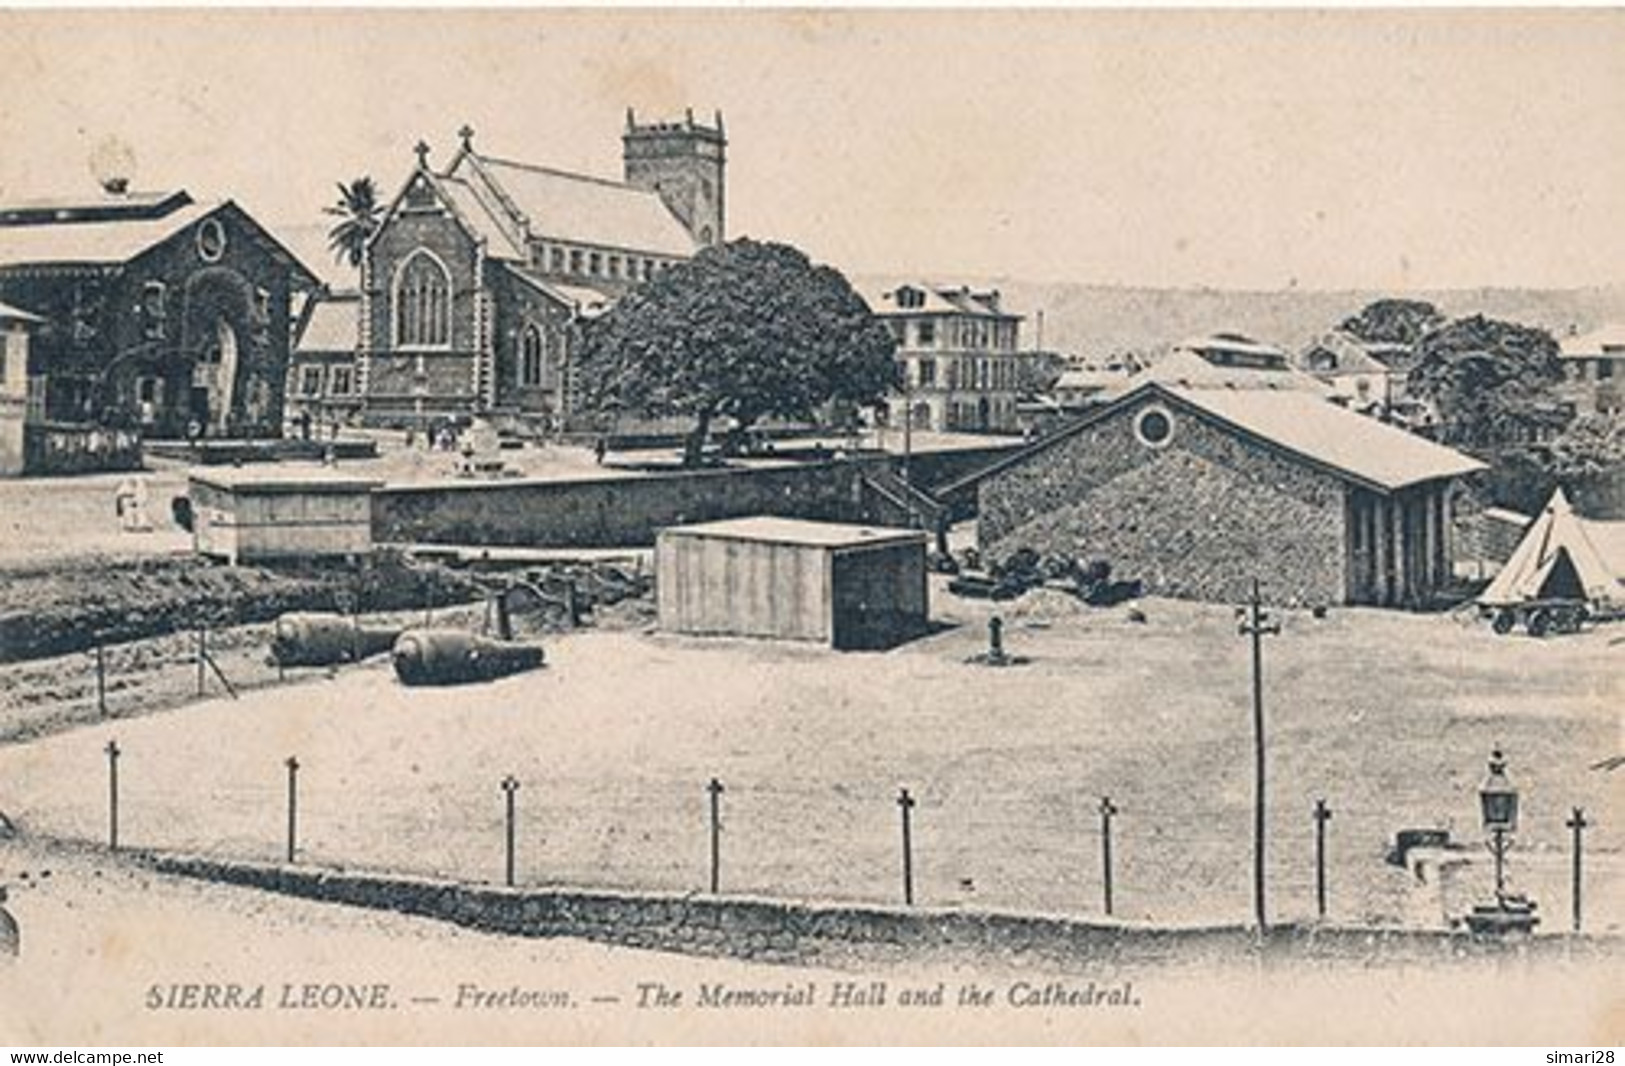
[[845, 586], [246, 515]]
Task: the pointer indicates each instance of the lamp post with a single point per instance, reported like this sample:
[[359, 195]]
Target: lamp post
[[1498, 802]]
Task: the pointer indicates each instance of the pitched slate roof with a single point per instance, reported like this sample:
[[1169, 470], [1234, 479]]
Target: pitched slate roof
[[1607, 341], [499, 244], [941, 300], [112, 241], [334, 325], [1301, 424], [109, 241], [574, 207], [583, 299]]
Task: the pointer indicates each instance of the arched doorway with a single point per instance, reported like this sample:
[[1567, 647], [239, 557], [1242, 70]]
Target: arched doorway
[[219, 328]]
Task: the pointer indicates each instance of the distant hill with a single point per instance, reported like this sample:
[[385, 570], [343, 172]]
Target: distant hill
[[1096, 320]]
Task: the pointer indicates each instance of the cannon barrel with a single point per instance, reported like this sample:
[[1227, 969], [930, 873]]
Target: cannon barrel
[[454, 657], [328, 639]]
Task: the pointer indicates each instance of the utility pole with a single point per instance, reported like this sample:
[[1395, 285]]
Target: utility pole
[[1577, 823], [905, 803], [1107, 809], [1257, 624], [1322, 815], [715, 789]]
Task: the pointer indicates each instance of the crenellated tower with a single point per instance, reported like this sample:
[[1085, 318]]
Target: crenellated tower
[[685, 162]]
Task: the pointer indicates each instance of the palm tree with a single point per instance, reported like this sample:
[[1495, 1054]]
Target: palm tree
[[357, 209]]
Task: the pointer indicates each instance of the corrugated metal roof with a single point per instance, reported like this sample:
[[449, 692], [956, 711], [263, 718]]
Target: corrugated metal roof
[[574, 207], [334, 325], [796, 531], [108, 242], [1353, 444], [1609, 341]]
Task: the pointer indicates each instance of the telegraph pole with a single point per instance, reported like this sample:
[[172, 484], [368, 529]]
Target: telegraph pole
[[1257, 624]]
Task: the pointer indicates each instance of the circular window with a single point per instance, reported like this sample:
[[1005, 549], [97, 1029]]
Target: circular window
[[1154, 426], [211, 240]]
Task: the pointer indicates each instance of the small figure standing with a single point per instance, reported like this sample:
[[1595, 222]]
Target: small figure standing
[[124, 502], [600, 448], [137, 512]]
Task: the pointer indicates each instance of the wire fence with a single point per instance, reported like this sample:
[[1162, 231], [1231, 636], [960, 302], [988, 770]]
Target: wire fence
[[1131, 847]]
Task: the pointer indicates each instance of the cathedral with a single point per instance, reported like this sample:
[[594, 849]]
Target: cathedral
[[479, 273]]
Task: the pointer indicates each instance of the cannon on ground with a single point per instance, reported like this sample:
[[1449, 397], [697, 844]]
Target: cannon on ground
[[455, 657], [316, 639]]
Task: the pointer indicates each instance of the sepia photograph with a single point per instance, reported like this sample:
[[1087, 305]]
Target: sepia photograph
[[830, 526]]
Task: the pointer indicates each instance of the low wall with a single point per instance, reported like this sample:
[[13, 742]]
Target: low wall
[[616, 511], [53, 448], [610, 511], [841, 935]]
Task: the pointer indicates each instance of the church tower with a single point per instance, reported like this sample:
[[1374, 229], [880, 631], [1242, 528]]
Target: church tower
[[684, 162]]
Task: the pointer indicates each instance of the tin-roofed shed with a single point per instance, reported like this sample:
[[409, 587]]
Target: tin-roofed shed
[[846, 586]]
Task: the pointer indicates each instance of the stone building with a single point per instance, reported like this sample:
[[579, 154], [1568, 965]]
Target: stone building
[[480, 272], [961, 363], [1197, 488], [156, 312]]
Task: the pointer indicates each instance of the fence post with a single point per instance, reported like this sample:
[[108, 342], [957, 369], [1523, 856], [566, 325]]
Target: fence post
[[112, 750], [715, 789], [1577, 823], [202, 654], [510, 785], [101, 678], [1322, 815], [905, 804], [292, 763], [1107, 809]]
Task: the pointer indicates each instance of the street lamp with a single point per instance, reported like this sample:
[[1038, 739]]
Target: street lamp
[[1498, 801]]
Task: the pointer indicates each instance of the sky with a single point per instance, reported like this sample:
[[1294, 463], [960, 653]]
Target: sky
[[1253, 150]]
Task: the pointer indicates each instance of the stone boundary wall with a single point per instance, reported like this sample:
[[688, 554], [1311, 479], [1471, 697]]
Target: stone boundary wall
[[843, 935], [621, 511]]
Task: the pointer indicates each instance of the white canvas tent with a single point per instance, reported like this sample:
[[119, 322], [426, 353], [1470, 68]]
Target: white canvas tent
[[1562, 556]]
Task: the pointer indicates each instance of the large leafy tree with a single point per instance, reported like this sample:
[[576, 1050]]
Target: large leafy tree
[[1491, 383], [358, 212], [1394, 321], [744, 330]]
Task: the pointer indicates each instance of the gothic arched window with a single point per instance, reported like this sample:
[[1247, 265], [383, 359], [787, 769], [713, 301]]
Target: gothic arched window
[[422, 303], [532, 356]]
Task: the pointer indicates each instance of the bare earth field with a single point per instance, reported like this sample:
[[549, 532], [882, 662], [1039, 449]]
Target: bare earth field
[[1388, 716]]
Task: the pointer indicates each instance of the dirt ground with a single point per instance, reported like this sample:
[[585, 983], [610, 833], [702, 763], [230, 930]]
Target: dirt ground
[[1388, 716]]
